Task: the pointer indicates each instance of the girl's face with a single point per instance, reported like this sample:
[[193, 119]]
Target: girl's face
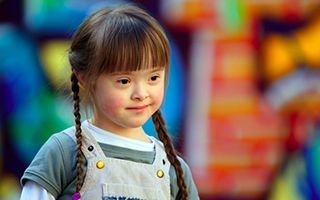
[[126, 100]]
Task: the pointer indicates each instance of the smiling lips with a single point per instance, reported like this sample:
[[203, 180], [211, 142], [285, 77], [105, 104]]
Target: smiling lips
[[137, 108]]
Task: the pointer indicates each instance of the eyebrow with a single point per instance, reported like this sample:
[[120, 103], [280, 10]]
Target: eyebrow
[[131, 72], [157, 69], [120, 73]]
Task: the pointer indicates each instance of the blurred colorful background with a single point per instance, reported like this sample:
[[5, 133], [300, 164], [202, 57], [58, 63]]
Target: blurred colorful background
[[243, 103]]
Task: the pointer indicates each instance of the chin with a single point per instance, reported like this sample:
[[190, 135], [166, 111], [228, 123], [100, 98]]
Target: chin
[[136, 124]]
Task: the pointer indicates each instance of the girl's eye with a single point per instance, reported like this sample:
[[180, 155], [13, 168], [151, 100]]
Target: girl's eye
[[124, 81], [154, 78]]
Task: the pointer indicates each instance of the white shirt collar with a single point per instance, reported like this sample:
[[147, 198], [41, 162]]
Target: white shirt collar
[[106, 137]]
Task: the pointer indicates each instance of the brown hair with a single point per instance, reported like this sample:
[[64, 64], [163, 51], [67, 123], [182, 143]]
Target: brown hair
[[110, 40]]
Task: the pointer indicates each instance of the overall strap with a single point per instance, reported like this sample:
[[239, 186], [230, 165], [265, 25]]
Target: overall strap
[[90, 146], [160, 156]]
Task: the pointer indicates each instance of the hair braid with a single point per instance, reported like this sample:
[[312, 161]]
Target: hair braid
[[76, 112], [170, 151]]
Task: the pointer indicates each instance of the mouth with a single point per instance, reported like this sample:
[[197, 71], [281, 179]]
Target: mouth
[[138, 108]]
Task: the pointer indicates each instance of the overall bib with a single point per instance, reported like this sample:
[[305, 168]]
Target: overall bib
[[117, 179]]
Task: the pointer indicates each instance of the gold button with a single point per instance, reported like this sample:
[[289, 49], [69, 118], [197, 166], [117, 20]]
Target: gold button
[[100, 164], [160, 173]]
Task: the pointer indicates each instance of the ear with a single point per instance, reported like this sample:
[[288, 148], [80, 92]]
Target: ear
[[81, 78]]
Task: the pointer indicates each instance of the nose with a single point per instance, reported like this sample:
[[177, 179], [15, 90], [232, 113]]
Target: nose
[[140, 92]]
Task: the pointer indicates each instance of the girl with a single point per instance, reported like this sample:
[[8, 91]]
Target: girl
[[120, 65]]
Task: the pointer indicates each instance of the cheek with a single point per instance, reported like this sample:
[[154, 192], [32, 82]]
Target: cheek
[[158, 97], [112, 104]]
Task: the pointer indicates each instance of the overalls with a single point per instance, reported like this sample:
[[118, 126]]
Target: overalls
[[117, 179]]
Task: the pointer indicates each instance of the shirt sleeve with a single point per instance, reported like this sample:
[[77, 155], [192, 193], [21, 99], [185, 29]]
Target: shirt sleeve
[[34, 190], [191, 187], [51, 168]]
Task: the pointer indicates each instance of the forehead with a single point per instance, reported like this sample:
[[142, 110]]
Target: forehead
[[130, 62]]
